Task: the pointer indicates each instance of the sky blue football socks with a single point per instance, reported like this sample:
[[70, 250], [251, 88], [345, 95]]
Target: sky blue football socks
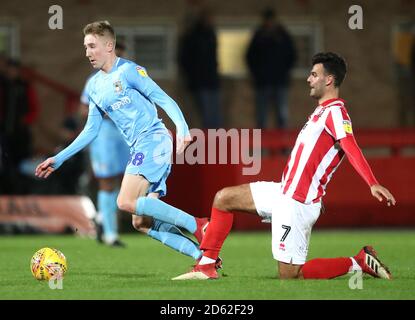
[[107, 206], [172, 237], [164, 212]]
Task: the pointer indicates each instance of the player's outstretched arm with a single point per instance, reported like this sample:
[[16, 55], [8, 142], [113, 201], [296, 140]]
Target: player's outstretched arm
[[359, 163], [45, 169], [380, 192], [86, 136]]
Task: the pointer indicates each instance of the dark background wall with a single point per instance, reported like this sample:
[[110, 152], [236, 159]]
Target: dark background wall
[[371, 88]]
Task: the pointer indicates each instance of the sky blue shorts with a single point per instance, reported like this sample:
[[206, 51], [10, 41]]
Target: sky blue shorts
[[151, 157], [109, 153]]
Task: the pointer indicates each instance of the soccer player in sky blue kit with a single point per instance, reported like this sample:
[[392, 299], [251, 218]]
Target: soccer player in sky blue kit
[[109, 155], [124, 92]]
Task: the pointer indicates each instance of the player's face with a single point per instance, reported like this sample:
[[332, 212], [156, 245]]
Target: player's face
[[96, 50], [318, 81]]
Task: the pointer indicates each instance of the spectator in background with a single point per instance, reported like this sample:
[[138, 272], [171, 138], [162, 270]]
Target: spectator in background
[[413, 79], [67, 180], [19, 109], [198, 62], [270, 57], [403, 45], [3, 87]]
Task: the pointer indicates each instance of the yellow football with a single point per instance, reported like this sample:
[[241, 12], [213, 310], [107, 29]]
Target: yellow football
[[48, 263]]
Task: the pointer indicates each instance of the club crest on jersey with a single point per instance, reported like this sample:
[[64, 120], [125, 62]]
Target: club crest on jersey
[[118, 86], [142, 71], [347, 126]]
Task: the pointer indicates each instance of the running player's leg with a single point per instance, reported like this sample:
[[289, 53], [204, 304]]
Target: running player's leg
[[152, 160], [171, 236], [136, 187]]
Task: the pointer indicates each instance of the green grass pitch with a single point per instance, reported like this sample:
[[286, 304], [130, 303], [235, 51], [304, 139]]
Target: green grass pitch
[[143, 270]]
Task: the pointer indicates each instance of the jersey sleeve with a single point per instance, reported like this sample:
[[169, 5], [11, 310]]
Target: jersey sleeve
[[86, 136], [138, 78], [85, 95], [338, 123], [357, 159]]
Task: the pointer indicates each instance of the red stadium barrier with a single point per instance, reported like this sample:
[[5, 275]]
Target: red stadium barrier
[[348, 201]]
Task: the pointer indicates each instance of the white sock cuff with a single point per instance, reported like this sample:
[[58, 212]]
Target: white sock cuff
[[206, 260], [355, 266]]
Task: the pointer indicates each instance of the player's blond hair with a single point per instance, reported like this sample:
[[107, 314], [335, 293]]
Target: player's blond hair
[[100, 28]]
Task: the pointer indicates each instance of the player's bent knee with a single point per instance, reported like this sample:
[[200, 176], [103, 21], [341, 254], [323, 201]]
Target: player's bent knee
[[288, 271], [221, 200], [126, 205]]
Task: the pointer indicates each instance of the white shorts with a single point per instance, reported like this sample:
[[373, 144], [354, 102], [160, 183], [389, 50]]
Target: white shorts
[[292, 221]]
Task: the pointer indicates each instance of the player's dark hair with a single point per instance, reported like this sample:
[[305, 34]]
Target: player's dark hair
[[333, 64], [100, 28]]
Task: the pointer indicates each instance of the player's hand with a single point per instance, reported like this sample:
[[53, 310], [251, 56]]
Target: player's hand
[[182, 143], [380, 192], [45, 169]]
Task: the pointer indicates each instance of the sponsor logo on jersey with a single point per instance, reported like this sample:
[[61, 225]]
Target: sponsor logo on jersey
[[118, 86], [122, 102], [347, 125], [317, 115], [142, 71]]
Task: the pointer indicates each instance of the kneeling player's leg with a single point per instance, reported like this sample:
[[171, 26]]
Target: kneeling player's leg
[[230, 198], [288, 270], [236, 198], [326, 268], [315, 269], [292, 223]]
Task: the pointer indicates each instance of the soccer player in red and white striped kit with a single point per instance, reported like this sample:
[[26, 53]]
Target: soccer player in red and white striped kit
[[294, 204]]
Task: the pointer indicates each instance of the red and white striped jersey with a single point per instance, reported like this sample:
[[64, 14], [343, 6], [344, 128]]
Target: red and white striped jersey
[[316, 154]]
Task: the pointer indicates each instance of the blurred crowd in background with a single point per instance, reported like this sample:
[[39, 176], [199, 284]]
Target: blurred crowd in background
[[270, 59], [19, 110]]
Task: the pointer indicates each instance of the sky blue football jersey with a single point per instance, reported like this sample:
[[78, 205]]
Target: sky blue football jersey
[[129, 97]]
